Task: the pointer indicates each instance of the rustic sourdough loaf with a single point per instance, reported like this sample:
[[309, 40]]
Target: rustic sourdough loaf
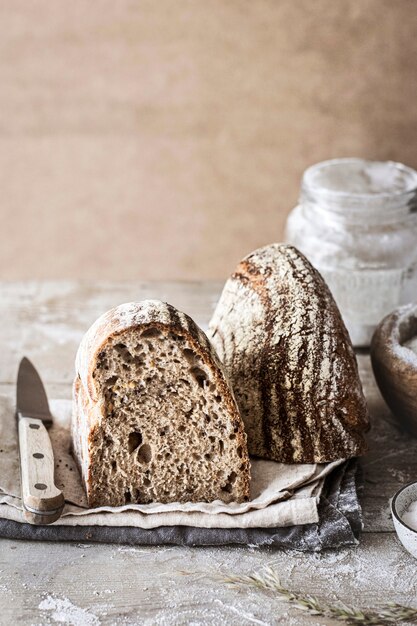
[[154, 417], [290, 360]]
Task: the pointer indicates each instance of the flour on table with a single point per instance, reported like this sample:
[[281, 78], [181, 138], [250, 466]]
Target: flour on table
[[65, 612]]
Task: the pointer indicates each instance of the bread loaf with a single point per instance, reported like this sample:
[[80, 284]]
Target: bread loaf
[[290, 360], [154, 417]]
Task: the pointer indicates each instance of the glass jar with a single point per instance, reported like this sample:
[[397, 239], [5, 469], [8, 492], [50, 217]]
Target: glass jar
[[356, 222]]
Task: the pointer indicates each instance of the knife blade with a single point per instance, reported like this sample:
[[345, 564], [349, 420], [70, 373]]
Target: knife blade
[[42, 500]]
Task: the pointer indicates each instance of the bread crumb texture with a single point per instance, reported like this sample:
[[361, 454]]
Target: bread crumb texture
[[290, 360], [154, 417]]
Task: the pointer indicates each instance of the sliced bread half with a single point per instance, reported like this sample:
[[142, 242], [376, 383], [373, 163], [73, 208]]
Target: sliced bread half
[[154, 417]]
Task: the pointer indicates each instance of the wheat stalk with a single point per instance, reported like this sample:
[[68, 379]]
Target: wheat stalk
[[268, 580]]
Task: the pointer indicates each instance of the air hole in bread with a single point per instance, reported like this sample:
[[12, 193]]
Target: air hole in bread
[[151, 332], [232, 478], [134, 441], [221, 446], [199, 375], [108, 441], [189, 355], [240, 451], [228, 487], [124, 352], [128, 497], [145, 454]]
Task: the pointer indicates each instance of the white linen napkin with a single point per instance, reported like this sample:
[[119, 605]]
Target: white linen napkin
[[281, 494]]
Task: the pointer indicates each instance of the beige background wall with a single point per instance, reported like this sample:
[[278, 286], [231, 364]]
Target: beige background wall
[[166, 139]]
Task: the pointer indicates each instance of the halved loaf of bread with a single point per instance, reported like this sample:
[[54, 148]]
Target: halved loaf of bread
[[290, 360], [154, 417]]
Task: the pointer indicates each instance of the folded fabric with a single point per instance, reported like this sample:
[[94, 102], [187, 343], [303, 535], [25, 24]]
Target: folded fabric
[[339, 525], [285, 501]]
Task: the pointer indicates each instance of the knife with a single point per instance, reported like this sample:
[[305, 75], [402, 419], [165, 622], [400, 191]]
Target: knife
[[42, 500]]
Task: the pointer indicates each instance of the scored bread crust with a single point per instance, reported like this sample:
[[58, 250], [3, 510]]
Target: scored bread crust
[[290, 360], [89, 405]]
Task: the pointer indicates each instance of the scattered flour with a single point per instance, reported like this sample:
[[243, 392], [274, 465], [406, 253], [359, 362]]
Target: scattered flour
[[242, 614], [410, 516], [65, 612], [403, 477]]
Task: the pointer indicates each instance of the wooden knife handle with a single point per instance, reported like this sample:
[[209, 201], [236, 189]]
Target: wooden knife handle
[[42, 500]]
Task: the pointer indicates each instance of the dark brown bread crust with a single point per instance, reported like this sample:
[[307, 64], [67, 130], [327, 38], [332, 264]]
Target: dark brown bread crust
[[290, 360]]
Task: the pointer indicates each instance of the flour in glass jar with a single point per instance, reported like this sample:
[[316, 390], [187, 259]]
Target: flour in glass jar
[[357, 224]]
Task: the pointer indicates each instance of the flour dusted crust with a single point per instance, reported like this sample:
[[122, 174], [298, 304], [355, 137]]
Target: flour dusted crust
[[290, 360], [131, 315], [154, 417]]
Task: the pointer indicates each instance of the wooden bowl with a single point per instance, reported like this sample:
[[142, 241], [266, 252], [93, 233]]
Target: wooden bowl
[[395, 364]]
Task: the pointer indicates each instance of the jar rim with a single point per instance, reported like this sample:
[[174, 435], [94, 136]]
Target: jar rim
[[310, 184]]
